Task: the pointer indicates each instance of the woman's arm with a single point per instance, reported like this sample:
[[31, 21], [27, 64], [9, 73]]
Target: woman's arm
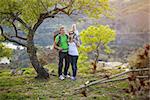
[[77, 44]]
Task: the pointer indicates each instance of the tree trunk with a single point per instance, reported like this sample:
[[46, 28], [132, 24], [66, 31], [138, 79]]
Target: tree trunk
[[31, 50], [96, 60]]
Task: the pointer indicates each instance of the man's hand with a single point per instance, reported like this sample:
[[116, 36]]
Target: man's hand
[[60, 49]]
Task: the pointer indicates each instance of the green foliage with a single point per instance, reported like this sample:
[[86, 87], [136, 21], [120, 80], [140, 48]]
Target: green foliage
[[33, 8], [2, 38], [13, 96], [82, 58], [93, 8], [84, 67], [29, 14], [96, 39], [24, 87], [28, 71], [30, 10], [4, 51]]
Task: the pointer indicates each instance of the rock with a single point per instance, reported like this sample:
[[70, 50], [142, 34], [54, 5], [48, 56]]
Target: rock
[[20, 72], [113, 64], [111, 59], [109, 64], [13, 71], [103, 57], [101, 63]]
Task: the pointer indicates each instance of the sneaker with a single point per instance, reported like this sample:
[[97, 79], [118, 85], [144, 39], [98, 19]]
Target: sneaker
[[61, 77], [73, 78], [67, 76]]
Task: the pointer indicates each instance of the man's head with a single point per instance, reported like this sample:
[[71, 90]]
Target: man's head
[[62, 30]]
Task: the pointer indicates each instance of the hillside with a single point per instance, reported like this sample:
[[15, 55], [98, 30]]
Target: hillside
[[131, 24], [132, 15]]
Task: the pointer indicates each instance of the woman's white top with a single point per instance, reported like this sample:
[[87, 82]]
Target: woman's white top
[[73, 50], [76, 32]]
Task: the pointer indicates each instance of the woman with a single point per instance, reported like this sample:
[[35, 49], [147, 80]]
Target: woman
[[73, 50]]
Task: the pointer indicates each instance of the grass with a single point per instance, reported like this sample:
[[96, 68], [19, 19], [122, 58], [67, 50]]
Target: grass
[[25, 87]]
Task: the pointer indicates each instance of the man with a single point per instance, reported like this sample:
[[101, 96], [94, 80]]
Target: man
[[61, 43]]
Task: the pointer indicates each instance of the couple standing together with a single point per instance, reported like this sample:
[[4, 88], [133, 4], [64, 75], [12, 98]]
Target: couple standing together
[[67, 45]]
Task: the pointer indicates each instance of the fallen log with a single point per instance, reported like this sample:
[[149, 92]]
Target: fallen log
[[106, 80]]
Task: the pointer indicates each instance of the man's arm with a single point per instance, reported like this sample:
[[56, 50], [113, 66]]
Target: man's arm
[[55, 43], [76, 40]]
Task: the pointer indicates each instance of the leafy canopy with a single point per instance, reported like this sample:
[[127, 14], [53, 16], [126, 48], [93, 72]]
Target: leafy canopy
[[96, 39], [30, 10]]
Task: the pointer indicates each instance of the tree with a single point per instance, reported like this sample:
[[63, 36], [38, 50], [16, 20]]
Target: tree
[[27, 16], [95, 40], [4, 51]]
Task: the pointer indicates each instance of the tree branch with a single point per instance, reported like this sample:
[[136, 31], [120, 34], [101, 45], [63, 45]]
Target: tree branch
[[16, 32], [51, 14], [69, 11], [105, 80], [10, 39], [121, 79], [97, 51], [23, 23], [43, 5], [16, 17], [43, 16]]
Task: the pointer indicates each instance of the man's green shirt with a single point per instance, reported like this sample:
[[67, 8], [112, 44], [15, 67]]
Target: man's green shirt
[[63, 42]]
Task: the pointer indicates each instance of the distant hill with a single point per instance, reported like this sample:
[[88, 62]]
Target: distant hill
[[132, 24], [132, 15], [44, 36]]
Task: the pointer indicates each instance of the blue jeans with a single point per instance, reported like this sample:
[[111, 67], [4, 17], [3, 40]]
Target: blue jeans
[[73, 60], [62, 56]]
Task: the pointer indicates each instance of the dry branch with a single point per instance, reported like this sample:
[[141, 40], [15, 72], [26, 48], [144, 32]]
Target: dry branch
[[106, 80]]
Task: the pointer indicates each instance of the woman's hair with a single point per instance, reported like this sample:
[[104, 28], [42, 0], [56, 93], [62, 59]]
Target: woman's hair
[[71, 37]]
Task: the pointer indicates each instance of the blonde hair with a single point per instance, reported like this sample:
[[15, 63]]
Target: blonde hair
[[62, 27]]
